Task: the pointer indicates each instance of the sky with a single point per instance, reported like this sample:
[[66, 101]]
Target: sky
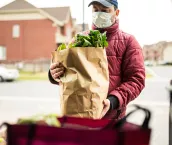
[[150, 21]]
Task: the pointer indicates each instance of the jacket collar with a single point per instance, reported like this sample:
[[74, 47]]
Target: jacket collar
[[112, 29]]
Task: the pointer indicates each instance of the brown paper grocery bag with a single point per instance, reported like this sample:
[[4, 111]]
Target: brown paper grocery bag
[[85, 83]]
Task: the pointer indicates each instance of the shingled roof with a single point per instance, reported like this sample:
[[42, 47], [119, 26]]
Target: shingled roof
[[61, 14], [18, 5]]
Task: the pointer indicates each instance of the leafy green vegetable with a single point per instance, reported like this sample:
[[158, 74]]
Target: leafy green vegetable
[[50, 119], [92, 39], [62, 47], [2, 140]]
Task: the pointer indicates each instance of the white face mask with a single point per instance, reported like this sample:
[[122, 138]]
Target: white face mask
[[102, 19]]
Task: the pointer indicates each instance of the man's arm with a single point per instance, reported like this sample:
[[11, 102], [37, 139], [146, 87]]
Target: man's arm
[[133, 78]]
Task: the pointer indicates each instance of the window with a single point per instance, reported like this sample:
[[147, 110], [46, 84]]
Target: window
[[16, 31], [2, 53], [62, 30]]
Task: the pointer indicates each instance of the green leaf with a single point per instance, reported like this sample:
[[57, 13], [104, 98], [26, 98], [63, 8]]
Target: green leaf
[[93, 39], [61, 47], [86, 43]]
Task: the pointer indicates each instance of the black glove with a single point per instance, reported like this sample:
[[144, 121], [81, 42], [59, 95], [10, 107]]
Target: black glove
[[114, 102]]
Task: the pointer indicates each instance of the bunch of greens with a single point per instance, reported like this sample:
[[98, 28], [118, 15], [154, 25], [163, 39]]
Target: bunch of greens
[[93, 39], [50, 119]]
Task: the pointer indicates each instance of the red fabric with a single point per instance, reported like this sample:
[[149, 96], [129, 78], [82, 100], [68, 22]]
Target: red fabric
[[84, 122], [126, 67], [130, 134]]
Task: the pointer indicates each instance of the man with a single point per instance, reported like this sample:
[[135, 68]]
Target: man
[[125, 60]]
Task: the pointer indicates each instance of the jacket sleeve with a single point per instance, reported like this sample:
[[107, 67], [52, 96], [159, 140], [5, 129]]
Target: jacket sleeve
[[133, 74], [51, 79]]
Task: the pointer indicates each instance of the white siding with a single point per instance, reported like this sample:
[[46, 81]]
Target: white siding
[[60, 38], [168, 53]]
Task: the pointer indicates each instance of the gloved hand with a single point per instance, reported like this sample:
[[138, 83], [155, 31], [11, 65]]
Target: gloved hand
[[114, 102]]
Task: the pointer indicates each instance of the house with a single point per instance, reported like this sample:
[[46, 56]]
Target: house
[[167, 54], [159, 52], [80, 27], [29, 33]]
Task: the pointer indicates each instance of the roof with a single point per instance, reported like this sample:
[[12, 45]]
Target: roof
[[18, 5], [157, 45], [60, 13]]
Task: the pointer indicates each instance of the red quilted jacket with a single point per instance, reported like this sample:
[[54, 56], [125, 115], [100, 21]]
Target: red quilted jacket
[[126, 68]]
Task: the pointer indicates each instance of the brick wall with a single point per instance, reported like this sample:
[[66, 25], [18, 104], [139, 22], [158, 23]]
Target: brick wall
[[37, 39]]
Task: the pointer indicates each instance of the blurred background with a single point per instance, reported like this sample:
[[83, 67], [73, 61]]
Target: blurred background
[[31, 29]]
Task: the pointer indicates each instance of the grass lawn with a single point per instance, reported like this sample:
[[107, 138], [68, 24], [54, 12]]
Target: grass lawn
[[149, 76], [33, 76], [44, 76]]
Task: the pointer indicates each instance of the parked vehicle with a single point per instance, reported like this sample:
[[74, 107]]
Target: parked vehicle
[[8, 74]]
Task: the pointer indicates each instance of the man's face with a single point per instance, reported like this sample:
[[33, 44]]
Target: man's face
[[100, 8]]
